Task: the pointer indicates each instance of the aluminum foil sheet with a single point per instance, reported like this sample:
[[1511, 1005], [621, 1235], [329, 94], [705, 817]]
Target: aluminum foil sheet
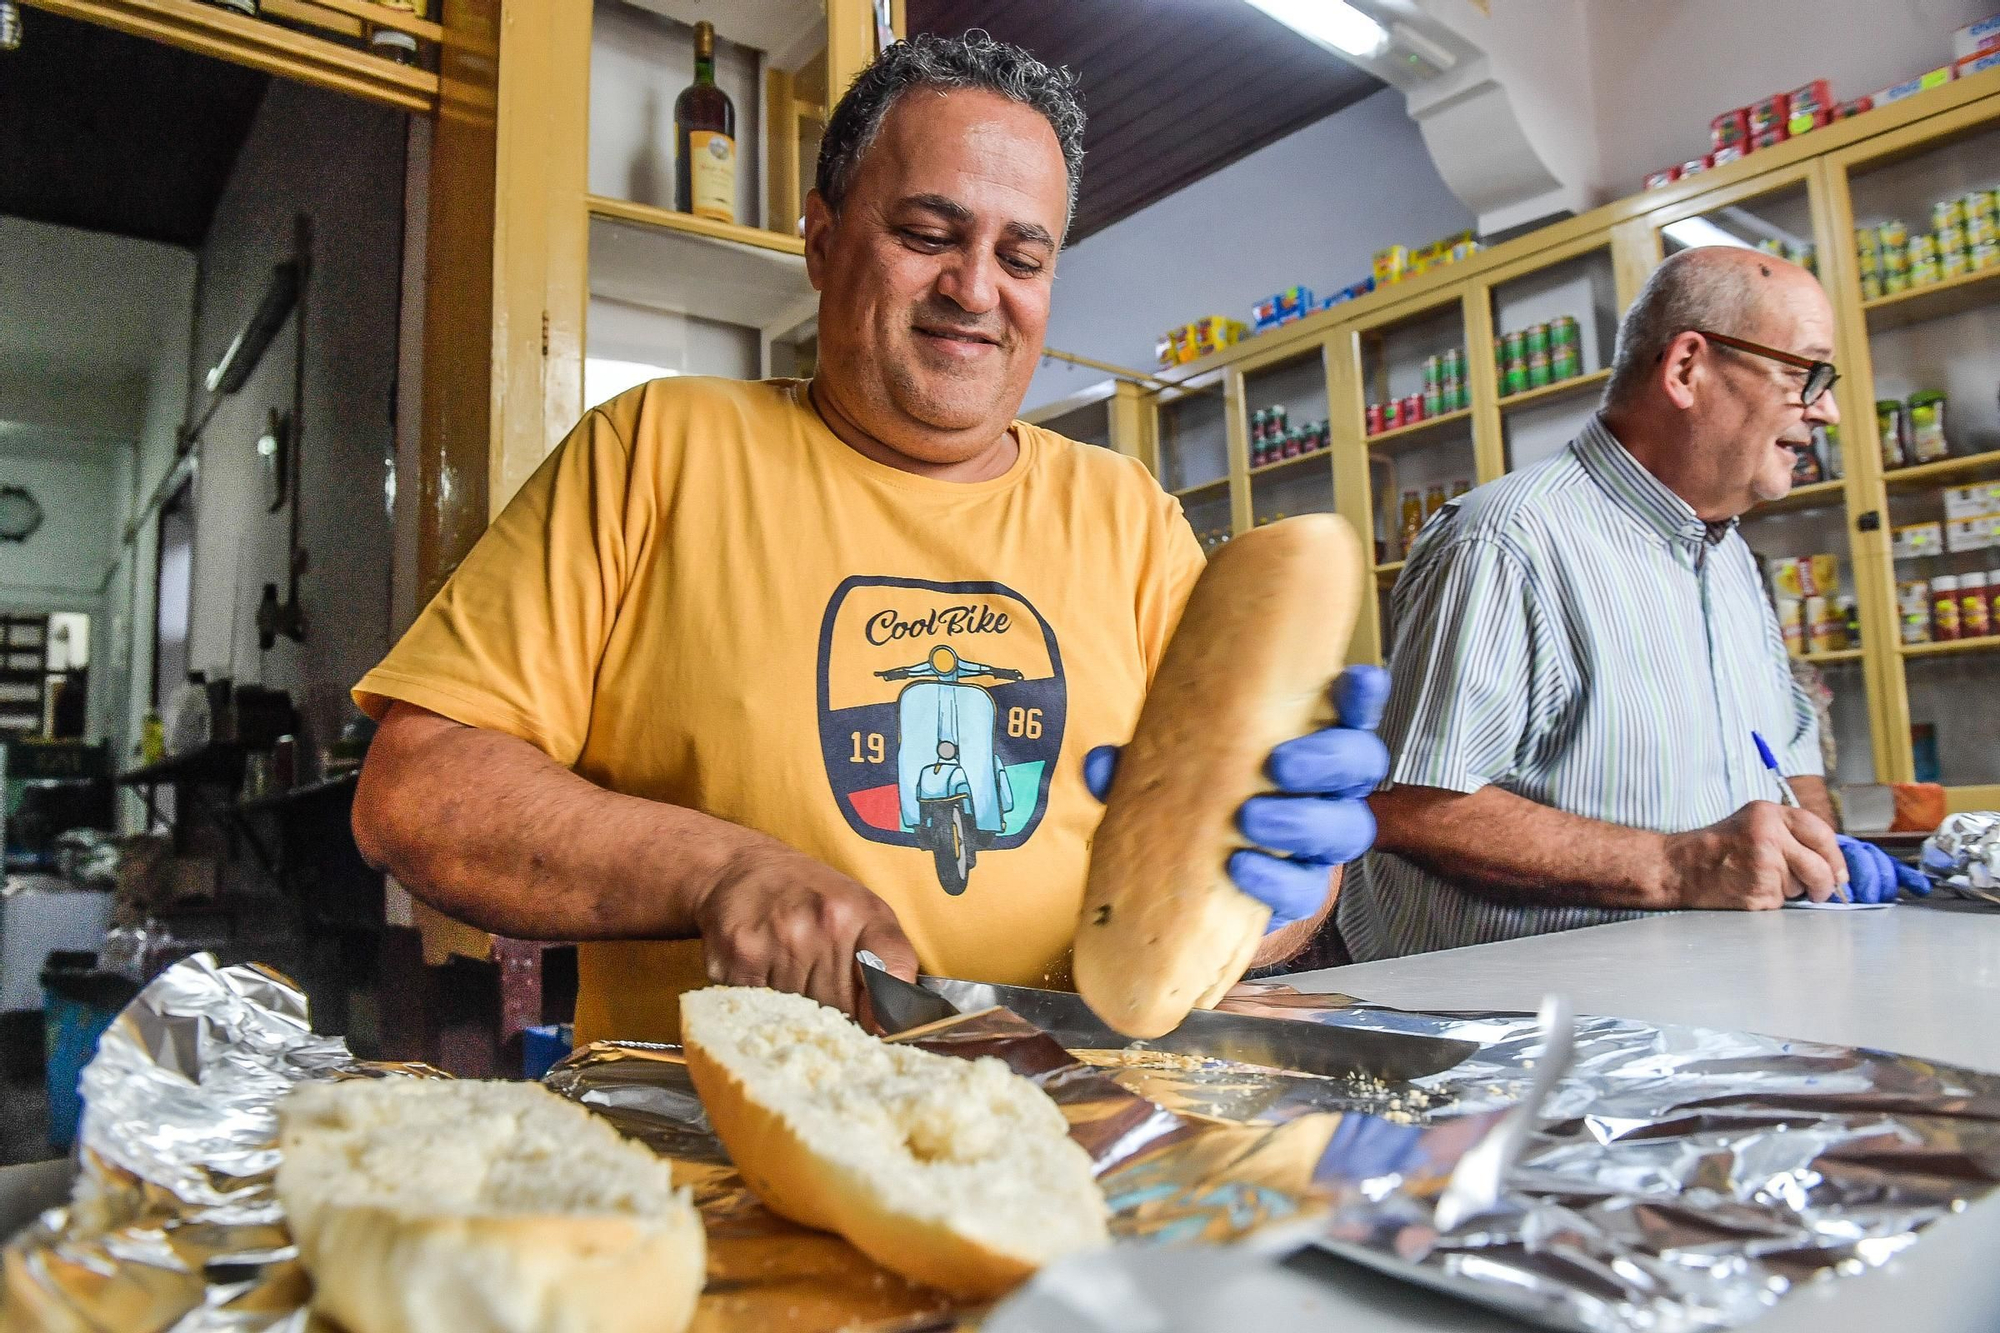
[[1676, 1178], [1680, 1178], [1964, 855], [175, 1223]]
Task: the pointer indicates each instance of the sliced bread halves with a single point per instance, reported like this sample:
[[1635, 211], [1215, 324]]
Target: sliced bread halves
[[957, 1173], [425, 1204]]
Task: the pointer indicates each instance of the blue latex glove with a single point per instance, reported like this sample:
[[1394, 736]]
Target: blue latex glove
[[1322, 820], [1874, 876]]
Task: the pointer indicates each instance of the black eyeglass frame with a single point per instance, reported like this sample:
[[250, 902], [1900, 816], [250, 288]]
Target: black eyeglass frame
[[1820, 375]]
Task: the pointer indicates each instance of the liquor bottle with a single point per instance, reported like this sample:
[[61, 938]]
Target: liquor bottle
[[1413, 518], [1433, 500], [705, 139]]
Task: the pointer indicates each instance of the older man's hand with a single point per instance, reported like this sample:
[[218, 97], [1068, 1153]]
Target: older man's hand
[[1755, 859], [1321, 817]]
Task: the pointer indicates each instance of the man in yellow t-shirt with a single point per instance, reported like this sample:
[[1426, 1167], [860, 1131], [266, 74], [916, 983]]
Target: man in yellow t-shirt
[[751, 675]]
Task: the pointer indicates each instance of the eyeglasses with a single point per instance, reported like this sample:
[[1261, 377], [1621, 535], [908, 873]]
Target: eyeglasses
[[1820, 375]]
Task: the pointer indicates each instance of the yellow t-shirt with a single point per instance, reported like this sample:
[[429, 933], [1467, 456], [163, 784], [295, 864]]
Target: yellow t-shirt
[[704, 598]]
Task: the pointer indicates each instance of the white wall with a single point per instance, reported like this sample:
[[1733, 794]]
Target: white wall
[[1665, 68], [95, 329], [1312, 208], [340, 161]]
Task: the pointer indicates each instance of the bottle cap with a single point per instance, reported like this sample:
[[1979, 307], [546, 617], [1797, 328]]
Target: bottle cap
[[704, 40]]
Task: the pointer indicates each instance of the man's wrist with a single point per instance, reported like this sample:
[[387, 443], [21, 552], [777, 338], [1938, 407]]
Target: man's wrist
[[1664, 889]]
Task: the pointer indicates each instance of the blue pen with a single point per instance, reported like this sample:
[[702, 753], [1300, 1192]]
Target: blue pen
[[1785, 792]]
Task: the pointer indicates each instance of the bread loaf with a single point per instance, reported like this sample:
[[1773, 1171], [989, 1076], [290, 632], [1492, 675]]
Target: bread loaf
[[956, 1173], [1265, 631], [426, 1204]]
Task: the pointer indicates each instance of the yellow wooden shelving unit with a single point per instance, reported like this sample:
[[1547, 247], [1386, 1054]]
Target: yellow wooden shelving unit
[[1808, 185]]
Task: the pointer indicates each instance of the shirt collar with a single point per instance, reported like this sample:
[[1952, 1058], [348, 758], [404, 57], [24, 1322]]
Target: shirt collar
[[1641, 494]]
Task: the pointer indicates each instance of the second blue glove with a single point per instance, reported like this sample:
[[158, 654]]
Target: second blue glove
[[1321, 819], [1874, 876]]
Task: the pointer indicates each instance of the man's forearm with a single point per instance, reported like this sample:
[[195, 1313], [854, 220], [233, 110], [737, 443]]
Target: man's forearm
[[1512, 849], [1813, 796], [488, 829]]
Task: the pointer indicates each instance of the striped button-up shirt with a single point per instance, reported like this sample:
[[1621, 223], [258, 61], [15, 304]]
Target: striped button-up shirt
[[1575, 634]]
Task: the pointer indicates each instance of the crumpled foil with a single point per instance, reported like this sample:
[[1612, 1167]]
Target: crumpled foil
[[1964, 855], [1680, 1178], [175, 1224]]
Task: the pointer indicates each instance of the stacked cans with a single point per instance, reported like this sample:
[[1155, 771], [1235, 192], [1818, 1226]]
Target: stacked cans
[[1444, 384], [1273, 439], [1539, 355], [1964, 238]]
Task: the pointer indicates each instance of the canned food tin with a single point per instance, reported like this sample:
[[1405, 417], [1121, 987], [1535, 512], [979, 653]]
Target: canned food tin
[[1955, 263], [1565, 362], [1871, 287], [1925, 272], [1895, 261], [1951, 238], [1413, 409], [1980, 228], [1289, 446], [1985, 255], [1895, 283], [1981, 201], [1922, 246], [1373, 418], [1258, 419], [1947, 213], [1538, 368], [1433, 400], [1433, 372], [1537, 338], [1514, 373], [1869, 259], [1392, 414], [1274, 422], [1893, 233], [1564, 331]]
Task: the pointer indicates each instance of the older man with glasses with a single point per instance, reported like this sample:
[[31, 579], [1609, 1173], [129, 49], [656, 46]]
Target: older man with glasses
[[1585, 658]]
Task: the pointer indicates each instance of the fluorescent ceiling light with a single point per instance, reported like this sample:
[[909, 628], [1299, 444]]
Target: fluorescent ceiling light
[[1696, 232], [1334, 23], [605, 378]]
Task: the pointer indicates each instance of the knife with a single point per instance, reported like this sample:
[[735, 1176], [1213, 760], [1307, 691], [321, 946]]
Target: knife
[[1296, 1045]]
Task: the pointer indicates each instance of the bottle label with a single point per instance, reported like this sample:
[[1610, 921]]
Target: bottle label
[[712, 175]]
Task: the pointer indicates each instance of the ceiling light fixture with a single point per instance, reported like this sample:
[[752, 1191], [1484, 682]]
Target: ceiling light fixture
[[1695, 233], [1333, 23]]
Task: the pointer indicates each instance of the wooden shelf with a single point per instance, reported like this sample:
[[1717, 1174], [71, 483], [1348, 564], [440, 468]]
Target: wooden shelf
[[1576, 384], [1819, 495], [651, 215], [1318, 455], [226, 35], [1390, 567], [1188, 492], [1935, 300], [1920, 473], [1408, 437], [1981, 644], [1829, 658], [675, 262]]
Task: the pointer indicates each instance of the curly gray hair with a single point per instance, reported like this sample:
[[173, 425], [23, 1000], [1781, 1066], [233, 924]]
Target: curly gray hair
[[926, 61]]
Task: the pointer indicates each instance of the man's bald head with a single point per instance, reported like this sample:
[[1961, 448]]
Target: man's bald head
[[1722, 288], [1721, 425]]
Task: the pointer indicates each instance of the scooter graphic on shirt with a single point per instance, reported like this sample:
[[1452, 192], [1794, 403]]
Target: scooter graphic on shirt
[[953, 794]]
